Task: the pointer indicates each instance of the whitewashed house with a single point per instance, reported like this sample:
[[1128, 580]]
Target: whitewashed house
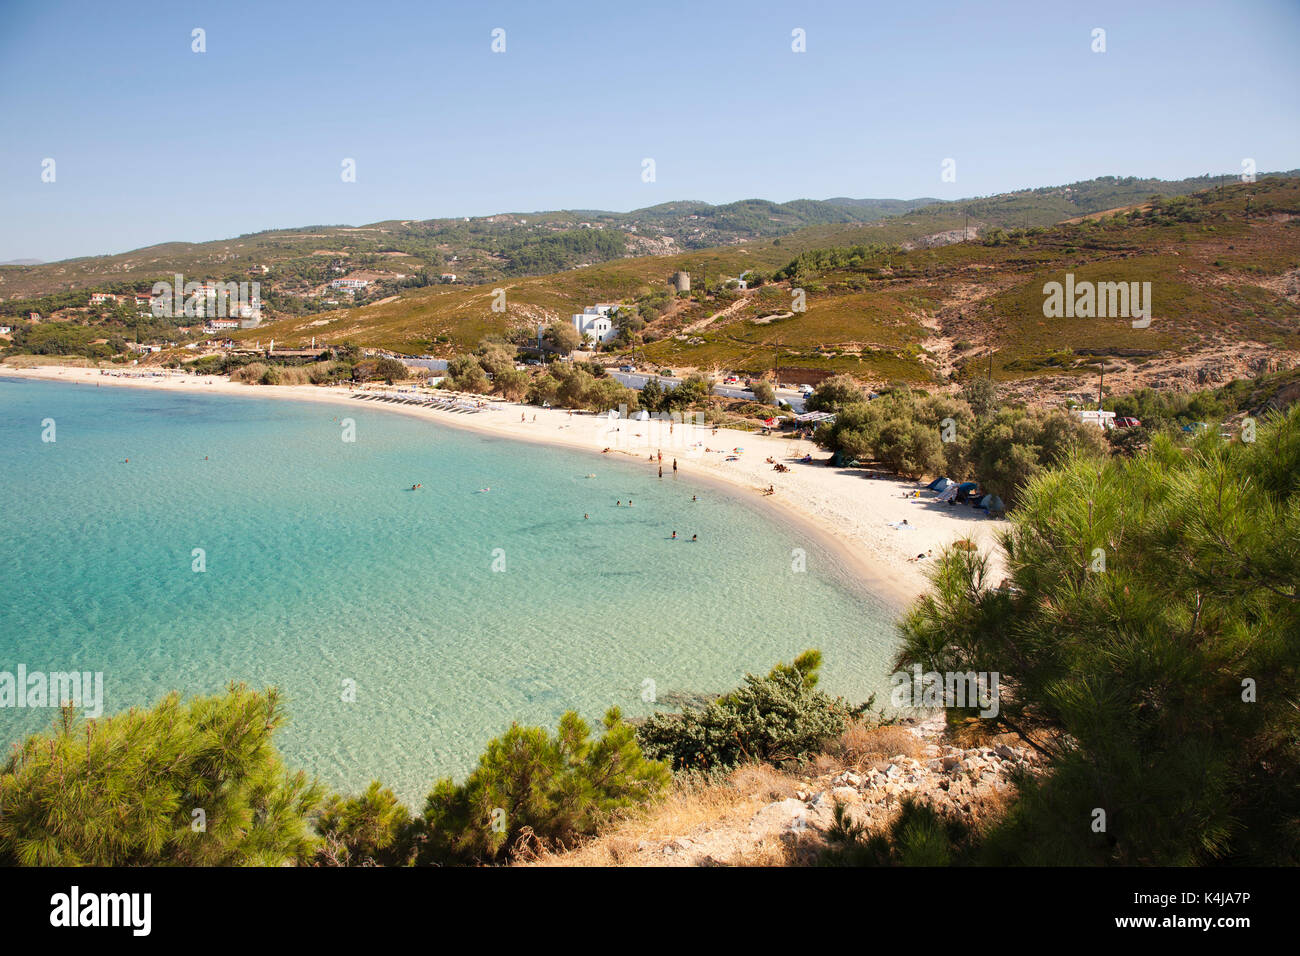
[[594, 321]]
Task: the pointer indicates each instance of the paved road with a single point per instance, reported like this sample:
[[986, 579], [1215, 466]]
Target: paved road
[[637, 380]]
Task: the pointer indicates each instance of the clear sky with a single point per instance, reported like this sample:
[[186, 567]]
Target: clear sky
[[153, 142]]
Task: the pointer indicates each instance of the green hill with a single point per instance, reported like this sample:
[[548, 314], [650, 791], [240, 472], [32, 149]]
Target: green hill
[[1224, 290]]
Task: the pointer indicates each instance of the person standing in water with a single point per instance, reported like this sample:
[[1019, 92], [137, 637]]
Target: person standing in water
[[674, 466]]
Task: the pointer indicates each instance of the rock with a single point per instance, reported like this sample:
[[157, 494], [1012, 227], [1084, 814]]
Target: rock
[[778, 814]]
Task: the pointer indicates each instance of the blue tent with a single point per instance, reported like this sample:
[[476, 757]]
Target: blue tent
[[966, 490], [939, 484]]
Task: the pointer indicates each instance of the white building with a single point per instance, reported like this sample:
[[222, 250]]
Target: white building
[[1093, 416], [595, 321], [350, 283]]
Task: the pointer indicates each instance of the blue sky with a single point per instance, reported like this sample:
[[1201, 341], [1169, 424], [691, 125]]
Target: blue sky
[[153, 142]]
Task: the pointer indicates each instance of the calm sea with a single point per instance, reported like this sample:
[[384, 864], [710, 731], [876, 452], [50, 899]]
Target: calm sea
[[324, 572]]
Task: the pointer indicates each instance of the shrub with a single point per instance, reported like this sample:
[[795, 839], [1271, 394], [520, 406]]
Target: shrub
[[764, 392], [531, 785], [778, 718], [834, 393], [132, 789], [918, 836], [253, 373], [373, 829], [1159, 689]]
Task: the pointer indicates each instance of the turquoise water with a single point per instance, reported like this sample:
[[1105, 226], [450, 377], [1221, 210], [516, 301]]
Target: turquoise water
[[324, 567]]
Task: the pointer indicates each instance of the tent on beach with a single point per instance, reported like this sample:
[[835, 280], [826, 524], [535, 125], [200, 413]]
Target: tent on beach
[[939, 484], [992, 504]]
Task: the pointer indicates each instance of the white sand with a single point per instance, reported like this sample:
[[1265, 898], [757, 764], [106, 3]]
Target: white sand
[[841, 507]]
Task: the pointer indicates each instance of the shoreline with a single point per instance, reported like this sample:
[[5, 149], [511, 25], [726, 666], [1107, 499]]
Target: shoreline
[[852, 517]]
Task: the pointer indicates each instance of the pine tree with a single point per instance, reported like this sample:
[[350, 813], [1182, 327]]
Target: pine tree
[[529, 784], [191, 783], [1147, 645]]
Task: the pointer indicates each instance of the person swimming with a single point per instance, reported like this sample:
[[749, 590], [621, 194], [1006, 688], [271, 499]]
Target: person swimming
[[674, 535], [695, 537]]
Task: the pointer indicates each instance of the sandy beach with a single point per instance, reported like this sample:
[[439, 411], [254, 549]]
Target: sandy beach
[[859, 518]]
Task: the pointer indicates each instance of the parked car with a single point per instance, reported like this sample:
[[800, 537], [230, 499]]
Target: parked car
[[627, 368], [1128, 423], [806, 390]]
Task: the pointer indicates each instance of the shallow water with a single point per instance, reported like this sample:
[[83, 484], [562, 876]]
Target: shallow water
[[323, 567]]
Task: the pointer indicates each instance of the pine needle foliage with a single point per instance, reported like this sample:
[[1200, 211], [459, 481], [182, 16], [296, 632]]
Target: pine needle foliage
[[778, 718], [197, 782], [530, 786], [373, 829], [1148, 646]]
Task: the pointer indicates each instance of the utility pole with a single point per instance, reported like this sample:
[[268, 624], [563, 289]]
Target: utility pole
[[1101, 384]]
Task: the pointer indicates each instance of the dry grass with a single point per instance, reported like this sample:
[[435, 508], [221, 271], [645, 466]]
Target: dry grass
[[693, 809], [36, 361], [863, 745]]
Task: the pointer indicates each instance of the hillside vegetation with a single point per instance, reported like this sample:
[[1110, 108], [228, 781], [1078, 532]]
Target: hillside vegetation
[[1224, 268]]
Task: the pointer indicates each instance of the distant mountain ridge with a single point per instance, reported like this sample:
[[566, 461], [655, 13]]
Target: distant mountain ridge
[[300, 261]]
